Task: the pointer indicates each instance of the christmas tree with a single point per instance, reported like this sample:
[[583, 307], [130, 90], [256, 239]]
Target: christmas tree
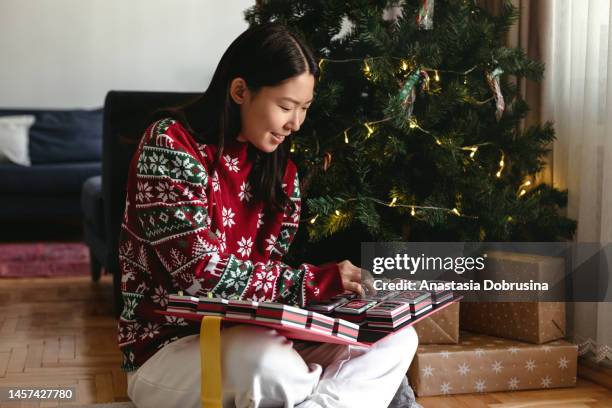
[[414, 131]]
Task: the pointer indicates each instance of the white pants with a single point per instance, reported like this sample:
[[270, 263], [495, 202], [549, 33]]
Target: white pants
[[261, 368]]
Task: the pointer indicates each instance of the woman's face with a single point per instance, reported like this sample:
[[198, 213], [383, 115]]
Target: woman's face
[[274, 112]]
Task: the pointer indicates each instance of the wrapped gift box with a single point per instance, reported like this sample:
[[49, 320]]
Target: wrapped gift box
[[440, 328], [482, 363], [518, 267], [533, 322]]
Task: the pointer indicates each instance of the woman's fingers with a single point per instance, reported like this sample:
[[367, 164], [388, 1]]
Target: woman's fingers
[[354, 287], [352, 277], [368, 289], [367, 282], [366, 275]]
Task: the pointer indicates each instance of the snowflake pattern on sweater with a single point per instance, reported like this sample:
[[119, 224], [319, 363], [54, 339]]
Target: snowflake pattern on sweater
[[193, 228]]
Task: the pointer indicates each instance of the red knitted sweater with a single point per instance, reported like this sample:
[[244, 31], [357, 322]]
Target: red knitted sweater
[[188, 228]]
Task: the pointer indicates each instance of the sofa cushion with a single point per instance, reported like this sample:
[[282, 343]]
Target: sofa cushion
[[47, 178], [66, 136], [16, 206], [14, 139]]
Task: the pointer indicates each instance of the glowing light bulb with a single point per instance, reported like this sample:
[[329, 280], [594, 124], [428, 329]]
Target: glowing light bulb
[[455, 211], [436, 76], [337, 213], [393, 202], [370, 129], [346, 139], [412, 212], [313, 219], [366, 69], [501, 166]]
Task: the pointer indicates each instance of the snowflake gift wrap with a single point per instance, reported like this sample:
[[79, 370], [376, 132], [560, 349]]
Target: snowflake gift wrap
[[532, 322], [482, 363]]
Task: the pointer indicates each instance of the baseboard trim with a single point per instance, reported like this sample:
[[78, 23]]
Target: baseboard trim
[[594, 372]]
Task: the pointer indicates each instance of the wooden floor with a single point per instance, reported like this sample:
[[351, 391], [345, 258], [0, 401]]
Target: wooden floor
[[62, 332]]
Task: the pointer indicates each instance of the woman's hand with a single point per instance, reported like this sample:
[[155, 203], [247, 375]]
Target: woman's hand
[[355, 279], [351, 277]]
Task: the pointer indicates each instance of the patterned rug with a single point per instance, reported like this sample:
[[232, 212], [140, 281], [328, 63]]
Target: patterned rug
[[27, 260], [109, 405]]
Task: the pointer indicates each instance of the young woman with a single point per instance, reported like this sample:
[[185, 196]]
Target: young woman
[[213, 202]]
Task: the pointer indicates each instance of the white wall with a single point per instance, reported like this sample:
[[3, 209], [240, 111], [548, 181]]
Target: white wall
[[69, 53]]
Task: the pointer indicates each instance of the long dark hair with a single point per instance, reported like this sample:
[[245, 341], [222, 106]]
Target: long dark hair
[[263, 55]]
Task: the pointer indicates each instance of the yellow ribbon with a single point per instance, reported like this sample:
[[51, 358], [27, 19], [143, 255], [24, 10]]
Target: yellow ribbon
[[210, 362]]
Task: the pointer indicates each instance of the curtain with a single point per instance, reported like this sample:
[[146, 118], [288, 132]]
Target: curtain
[[572, 39], [577, 97]]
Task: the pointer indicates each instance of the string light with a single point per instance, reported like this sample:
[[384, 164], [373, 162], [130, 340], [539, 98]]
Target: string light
[[472, 149], [465, 81], [292, 150], [522, 189], [413, 207], [436, 71], [346, 139], [425, 80], [367, 71], [413, 124], [404, 65], [337, 213], [314, 219], [370, 129], [321, 63], [393, 202], [501, 166]]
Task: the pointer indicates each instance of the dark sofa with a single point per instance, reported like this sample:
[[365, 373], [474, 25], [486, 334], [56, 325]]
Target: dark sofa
[[65, 149]]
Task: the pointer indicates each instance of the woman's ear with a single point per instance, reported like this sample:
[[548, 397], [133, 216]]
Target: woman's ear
[[238, 90]]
